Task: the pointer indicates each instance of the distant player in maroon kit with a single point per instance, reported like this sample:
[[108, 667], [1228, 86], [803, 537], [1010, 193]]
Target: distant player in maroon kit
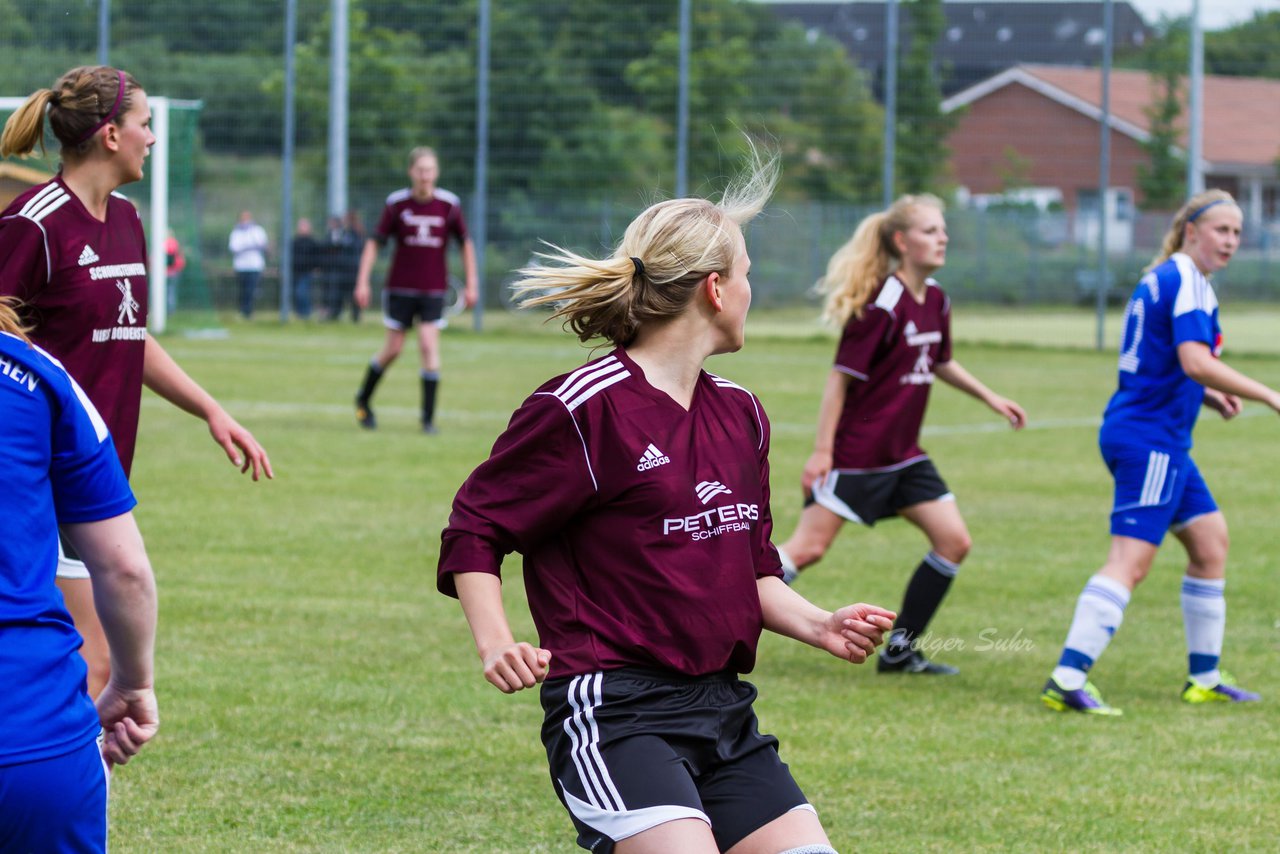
[[420, 220], [73, 253], [637, 489], [867, 462]]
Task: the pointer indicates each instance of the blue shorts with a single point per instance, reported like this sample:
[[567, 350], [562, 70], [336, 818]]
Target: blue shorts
[[1156, 491], [55, 805]]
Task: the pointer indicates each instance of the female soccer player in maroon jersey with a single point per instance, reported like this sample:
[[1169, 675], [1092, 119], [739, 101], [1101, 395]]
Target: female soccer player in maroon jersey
[[420, 220], [73, 253], [867, 463], [637, 489]]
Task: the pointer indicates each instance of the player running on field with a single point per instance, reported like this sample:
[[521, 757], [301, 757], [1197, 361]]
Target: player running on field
[[1169, 368], [420, 220], [867, 463], [73, 253], [637, 489]]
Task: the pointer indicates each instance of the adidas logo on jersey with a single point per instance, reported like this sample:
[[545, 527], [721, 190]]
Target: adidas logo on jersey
[[651, 459], [709, 489], [88, 256]]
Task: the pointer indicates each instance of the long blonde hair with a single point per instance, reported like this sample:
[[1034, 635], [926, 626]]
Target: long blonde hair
[[9, 320], [866, 258], [1190, 212], [80, 99], [654, 272]]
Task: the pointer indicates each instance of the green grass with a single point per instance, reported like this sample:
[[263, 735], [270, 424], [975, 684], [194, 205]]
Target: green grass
[[318, 694]]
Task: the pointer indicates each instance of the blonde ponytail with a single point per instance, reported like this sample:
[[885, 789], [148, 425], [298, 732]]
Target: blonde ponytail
[[654, 272]]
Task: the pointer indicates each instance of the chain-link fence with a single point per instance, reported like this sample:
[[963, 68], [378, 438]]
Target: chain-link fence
[[997, 109]]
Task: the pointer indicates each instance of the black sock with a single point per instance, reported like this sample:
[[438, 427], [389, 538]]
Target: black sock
[[430, 383], [371, 377], [925, 592]]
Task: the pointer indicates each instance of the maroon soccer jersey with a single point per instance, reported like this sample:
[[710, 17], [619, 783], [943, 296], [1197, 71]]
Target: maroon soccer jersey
[[643, 527], [889, 353], [83, 284], [421, 231]]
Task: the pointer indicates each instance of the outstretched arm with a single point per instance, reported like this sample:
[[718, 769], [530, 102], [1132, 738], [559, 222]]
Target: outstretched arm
[[161, 374], [851, 633], [124, 594], [954, 374], [1199, 363], [508, 665]]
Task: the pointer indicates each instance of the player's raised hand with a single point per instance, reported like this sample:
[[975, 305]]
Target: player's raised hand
[[515, 666], [857, 630]]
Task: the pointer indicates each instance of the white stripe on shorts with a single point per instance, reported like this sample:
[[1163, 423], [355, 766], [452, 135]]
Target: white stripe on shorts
[[584, 696], [1153, 486]]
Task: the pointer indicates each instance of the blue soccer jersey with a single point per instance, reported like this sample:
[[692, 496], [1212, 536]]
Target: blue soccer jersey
[[58, 464], [1156, 404]]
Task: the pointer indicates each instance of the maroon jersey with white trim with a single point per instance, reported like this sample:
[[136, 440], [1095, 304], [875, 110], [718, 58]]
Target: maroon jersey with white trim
[[643, 526], [83, 285], [889, 353], [421, 232]]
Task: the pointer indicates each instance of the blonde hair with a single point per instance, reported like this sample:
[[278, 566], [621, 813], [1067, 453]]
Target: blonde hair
[[422, 151], [863, 262], [677, 244], [9, 320], [1190, 212], [80, 99]]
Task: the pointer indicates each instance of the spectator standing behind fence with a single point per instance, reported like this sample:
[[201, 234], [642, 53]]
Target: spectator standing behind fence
[[58, 464], [72, 250], [248, 245], [344, 244], [306, 263], [174, 263], [420, 220]]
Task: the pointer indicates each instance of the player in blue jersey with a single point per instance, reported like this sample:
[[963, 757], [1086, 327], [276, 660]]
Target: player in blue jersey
[[1169, 368], [59, 466]]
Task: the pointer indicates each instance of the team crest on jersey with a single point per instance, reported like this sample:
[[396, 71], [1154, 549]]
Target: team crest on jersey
[[652, 458], [126, 328], [88, 256]]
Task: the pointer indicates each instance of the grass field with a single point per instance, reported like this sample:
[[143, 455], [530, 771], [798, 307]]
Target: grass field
[[318, 694]]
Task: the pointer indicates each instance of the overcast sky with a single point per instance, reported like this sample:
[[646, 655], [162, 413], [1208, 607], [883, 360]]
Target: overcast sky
[[1214, 14]]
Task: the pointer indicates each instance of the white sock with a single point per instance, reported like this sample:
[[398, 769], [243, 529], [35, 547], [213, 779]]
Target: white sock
[[1099, 612], [790, 572], [1204, 613]]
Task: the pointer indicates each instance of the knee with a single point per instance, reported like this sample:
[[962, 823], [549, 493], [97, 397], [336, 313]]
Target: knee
[[806, 550], [955, 547]]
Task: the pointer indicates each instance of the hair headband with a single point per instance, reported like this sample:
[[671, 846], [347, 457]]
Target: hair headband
[[639, 265], [1196, 213], [115, 108]]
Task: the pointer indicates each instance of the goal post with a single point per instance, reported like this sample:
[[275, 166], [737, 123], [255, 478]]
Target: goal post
[[166, 200]]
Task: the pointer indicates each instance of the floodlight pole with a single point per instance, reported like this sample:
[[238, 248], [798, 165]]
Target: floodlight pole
[[1104, 173], [890, 98], [480, 200], [682, 102], [1195, 106], [286, 182], [104, 30], [338, 96]]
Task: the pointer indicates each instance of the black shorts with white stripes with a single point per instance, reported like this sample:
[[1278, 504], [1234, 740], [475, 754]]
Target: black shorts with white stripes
[[633, 748]]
